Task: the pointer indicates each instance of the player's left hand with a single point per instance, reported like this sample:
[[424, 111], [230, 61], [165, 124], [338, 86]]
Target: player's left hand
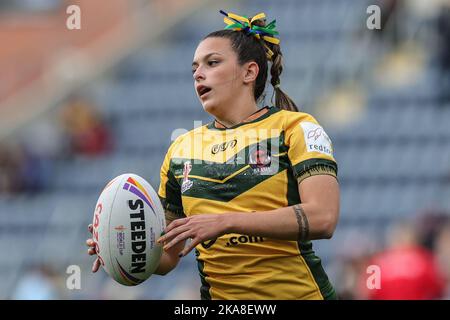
[[198, 228]]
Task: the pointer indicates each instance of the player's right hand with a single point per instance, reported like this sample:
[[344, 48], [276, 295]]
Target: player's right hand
[[91, 251]]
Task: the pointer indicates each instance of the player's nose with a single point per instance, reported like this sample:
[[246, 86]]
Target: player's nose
[[199, 75]]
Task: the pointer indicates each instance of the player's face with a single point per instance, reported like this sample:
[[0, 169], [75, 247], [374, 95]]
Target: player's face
[[216, 73]]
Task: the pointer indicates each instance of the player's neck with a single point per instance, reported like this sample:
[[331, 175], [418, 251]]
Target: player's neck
[[237, 113]]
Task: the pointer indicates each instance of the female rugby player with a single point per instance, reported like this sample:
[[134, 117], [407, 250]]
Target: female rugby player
[[254, 187]]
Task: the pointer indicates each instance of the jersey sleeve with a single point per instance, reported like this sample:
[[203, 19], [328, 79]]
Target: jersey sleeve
[[310, 148], [169, 191]]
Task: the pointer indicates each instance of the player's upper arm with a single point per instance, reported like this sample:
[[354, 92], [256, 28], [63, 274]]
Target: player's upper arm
[[322, 192], [310, 152], [169, 191], [172, 216]]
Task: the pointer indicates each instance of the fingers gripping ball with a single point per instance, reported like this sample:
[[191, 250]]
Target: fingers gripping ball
[[128, 218]]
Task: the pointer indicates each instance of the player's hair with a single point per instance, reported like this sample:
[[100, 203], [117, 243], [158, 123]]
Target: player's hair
[[249, 48]]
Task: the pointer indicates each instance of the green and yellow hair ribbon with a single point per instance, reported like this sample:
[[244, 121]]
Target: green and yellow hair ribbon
[[243, 23]]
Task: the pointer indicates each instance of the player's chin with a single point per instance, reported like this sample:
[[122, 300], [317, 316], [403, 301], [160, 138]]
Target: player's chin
[[209, 106]]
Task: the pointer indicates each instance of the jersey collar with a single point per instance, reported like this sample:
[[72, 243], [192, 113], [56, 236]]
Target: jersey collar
[[255, 117]]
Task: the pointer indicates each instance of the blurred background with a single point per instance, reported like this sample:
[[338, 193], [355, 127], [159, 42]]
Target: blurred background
[[72, 103]]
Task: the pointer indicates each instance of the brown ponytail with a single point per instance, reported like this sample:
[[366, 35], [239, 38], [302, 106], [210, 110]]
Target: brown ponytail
[[282, 100]]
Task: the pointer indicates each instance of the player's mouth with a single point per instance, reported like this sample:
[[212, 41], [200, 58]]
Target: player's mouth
[[203, 91]]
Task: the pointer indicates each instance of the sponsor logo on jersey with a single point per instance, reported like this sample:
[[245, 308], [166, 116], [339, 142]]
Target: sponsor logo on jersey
[[234, 241], [208, 243], [315, 133], [316, 139], [223, 146], [187, 184]]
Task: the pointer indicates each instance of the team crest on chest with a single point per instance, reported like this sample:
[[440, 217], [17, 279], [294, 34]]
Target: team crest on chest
[[187, 184], [259, 159]]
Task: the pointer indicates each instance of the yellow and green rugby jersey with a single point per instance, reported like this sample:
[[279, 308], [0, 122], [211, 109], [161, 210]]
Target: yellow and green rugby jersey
[[254, 166]]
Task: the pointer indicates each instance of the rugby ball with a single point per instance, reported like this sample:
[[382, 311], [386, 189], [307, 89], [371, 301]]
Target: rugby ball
[[128, 219]]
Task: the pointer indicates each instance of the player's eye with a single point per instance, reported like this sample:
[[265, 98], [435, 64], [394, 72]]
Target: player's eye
[[210, 63]]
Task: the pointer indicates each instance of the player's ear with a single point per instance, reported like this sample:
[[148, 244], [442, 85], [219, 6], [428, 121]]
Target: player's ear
[[251, 70]]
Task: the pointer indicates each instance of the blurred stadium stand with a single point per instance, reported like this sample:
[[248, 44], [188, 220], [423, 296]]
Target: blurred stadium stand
[[393, 148]]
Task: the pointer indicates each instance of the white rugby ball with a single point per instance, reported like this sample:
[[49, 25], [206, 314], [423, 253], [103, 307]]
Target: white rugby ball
[[128, 219]]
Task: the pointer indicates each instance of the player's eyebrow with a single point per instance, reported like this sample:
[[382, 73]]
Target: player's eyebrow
[[195, 63]]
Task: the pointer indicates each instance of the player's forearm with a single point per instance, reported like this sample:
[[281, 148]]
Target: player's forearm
[[169, 259], [304, 221], [166, 264]]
